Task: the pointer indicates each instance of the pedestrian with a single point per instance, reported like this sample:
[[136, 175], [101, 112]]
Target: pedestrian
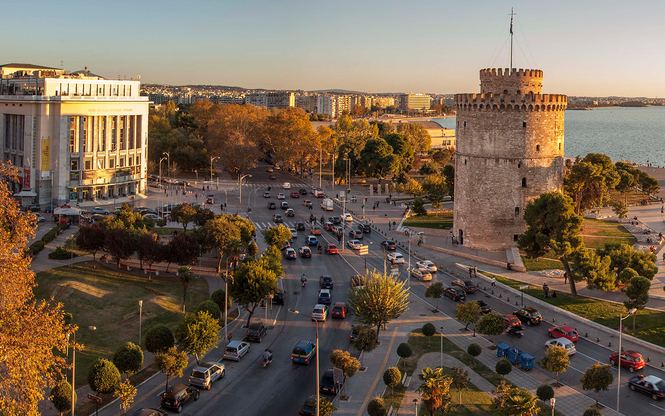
[[389, 225], [385, 216], [374, 207], [475, 271], [470, 272], [221, 206], [377, 204], [339, 238], [494, 282], [545, 289], [565, 277]]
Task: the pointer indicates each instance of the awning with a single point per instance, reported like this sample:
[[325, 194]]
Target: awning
[[67, 211], [26, 193]]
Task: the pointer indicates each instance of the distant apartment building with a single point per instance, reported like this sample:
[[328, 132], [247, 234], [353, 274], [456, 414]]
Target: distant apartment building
[[307, 102], [417, 102], [326, 104], [224, 99], [279, 99], [343, 104], [366, 102], [383, 102]]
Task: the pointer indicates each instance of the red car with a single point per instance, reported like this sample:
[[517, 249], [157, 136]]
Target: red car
[[273, 177], [331, 249], [295, 195], [339, 310], [631, 359], [512, 320], [563, 331]]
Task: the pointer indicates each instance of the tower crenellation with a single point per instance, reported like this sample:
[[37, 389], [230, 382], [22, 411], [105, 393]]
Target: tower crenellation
[[504, 81]]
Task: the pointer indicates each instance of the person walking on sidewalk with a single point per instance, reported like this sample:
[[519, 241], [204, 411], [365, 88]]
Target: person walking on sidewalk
[[475, 271], [545, 289], [470, 272], [565, 277], [494, 282]]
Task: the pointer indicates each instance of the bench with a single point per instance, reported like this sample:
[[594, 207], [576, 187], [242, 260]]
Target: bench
[[125, 266], [155, 271]]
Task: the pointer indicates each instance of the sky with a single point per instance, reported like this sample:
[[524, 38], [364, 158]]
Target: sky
[[585, 48]]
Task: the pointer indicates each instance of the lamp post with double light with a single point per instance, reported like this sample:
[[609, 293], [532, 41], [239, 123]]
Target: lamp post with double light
[[317, 359], [240, 191], [552, 403], [212, 159], [621, 318]]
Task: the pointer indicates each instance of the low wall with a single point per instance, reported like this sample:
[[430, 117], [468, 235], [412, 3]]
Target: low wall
[[476, 258]]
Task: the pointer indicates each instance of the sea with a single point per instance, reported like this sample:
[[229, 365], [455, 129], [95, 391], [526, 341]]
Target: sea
[[635, 134]]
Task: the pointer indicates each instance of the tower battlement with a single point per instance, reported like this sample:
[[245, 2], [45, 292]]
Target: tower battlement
[[505, 81], [517, 102]]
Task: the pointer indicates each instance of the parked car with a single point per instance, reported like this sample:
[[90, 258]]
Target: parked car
[[347, 217], [278, 297], [356, 235], [309, 407], [100, 211], [484, 307], [281, 196], [396, 258], [290, 212], [32, 208], [303, 352], [300, 226], [388, 245], [272, 205], [421, 274], [305, 252], [340, 310], [320, 312], [630, 359], [290, 254], [315, 231], [179, 395], [455, 293], [564, 343], [364, 228], [511, 320], [324, 297], [235, 350], [427, 265], [328, 225], [649, 385], [357, 281], [149, 412], [467, 285], [295, 194], [327, 384], [40, 217], [255, 332], [563, 331], [206, 373], [312, 241], [326, 282], [529, 315], [354, 244], [49, 209], [277, 219], [331, 249], [294, 233], [266, 194]]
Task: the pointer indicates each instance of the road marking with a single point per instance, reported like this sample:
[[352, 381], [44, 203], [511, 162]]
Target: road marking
[[378, 374], [661, 408]]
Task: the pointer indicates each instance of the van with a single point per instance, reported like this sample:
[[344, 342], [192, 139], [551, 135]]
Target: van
[[327, 204], [303, 352], [318, 193]]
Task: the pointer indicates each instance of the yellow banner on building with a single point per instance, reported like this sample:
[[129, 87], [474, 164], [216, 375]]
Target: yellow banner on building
[[46, 155]]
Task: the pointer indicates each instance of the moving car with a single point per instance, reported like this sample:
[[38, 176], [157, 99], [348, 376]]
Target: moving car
[[266, 194], [315, 231], [290, 212], [309, 407], [318, 193], [284, 205], [235, 350], [335, 220], [300, 226], [281, 196], [511, 320], [273, 177], [340, 310], [295, 194], [272, 205], [357, 281], [179, 395], [269, 170], [290, 254], [630, 359], [307, 203], [484, 307], [324, 297], [326, 282], [206, 373], [388, 245], [347, 217], [327, 384], [467, 285], [563, 331], [305, 252], [356, 235], [529, 315], [312, 241], [354, 244], [455, 293], [255, 332], [396, 258], [328, 225], [564, 343], [364, 228], [100, 211], [327, 204], [294, 233], [286, 185], [303, 352], [303, 191], [421, 274], [649, 385], [427, 265], [277, 219], [331, 249], [320, 312]]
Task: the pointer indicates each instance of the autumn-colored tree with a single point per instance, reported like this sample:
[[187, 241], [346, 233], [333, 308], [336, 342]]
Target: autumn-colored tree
[[91, 239], [435, 390], [183, 214], [126, 393], [252, 283], [277, 236], [345, 362], [197, 333], [171, 362], [219, 232]]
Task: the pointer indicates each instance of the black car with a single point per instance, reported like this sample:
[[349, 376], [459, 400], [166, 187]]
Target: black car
[[326, 282], [335, 220], [467, 285], [179, 395], [364, 228], [357, 235], [649, 385], [388, 245], [278, 297], [327, 384], [149, 412], [303, 192], [529, 315], [309, 407], [272, 205], [455, 293], [277, 219], [484, 307], [300, 226], [32, 208], [256, 332]]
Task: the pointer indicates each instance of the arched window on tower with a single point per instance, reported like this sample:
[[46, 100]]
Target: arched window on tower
[[523, 182], [519, 165]]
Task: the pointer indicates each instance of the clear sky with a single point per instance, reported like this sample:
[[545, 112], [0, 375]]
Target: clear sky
[[584, 47]]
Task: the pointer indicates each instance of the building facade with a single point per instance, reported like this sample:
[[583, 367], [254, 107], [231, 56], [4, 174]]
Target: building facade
[[74, 137], [413, 102], [509, 151], [269, 100]]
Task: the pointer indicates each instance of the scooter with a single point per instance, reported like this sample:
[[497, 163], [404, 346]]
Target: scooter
[[268, 361], [516, 331]]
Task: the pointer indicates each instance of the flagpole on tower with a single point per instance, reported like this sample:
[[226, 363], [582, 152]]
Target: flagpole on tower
[[511, 40]]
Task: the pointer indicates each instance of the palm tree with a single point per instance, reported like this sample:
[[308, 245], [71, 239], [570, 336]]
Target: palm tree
[[519, 402], [434, 390], [185, 274]]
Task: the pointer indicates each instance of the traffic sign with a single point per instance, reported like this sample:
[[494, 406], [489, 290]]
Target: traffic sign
[[338, 376], [94, 398], [364, 250]]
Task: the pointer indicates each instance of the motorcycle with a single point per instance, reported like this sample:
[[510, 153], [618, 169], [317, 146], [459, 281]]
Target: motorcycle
[[516, 331], [268, 361], [303, 282]]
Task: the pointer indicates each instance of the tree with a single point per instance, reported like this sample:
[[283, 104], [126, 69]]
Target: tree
[[343, 360], [183, 249], [404, 350], [202, 216], [597, 377], [183, 214], [637, 292], [277, 236], [441, 156], [61, 396], [435, 291], [120, 244], [514, 401], [545, 392], [252, 283], [402, 150], [377, 407], [428, 330], [326, 408], [252, 249], [589, 181], [365, 340], [625, 256], [128, 358], [434, 390], [592, 411], [503, 367], [219, 234], [159, 338], [197, 333], [467, 313], [619, 208], [381, 300], [218, 297], [103, 377], [126, 393], [474, 350], [185, 274], [392, 377], [418, 137], [436, 189], [150, 250], [492, 325], [556, 360], [171, 362], [378, 159], [648, 184], [211, 307], [449, 172], [419, 206], [91, 239], [427, 168], [461, 380]]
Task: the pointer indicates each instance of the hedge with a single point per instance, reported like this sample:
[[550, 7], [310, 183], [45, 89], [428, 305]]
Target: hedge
[[36, 247]]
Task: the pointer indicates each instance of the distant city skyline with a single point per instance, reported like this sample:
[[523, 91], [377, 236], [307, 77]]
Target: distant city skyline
[[601, 49]]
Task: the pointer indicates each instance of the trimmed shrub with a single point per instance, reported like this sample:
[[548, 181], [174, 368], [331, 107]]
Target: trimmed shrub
[[377, 407], [129, 358], [61, 396], [50, 236], [159, 338], [60, 253], [592, 411], [211, 307], [503, 367], [103, 377], [474, 350], [545, 392], [36, 247], [218, 297]]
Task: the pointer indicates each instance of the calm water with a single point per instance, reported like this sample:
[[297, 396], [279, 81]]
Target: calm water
[[635, 134]]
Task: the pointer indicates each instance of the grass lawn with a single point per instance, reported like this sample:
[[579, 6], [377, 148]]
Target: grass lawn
[[632, 197], [541, 264], [650, 325], [108, 299], [395, 398], [443, 220]]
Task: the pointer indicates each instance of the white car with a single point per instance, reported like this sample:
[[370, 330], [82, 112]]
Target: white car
[[354, 244], [266, 194], [236, 349], [294, 233], [319, 313], [396, 258], [347, 217], [427, 265], [421, 274], [286, 185], [565, 343], [281, 196]]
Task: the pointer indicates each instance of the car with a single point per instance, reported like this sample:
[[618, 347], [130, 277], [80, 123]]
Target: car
[[339, 310], [354, 244], [455, 293], [286, 185], [337, 230], [324, 297], [255, 332], [511, 320], [357, 281], [630, 359], [277, 219], [179, 395], [148, 211], [40, 217], [396, 258], [318, 193], [269, 170], [49, 208], [295, 194], [347, 217], [290, 254], [284, 205], [484, 307], [649, 385], [235, 350], [388, 245], [307, 203], [309, 407], [154, 217], [356, 235], [312, 241], [320, 312], [206, 373], [335, 220], [529, 315], [266, 194], [564, 343], [331, 249], [327, 384], [305, 252], [300, 226], [294, 233], [303, 352], [303, 191], [364, 228], [290, 212], [328, 225], [326, 282], [427, 265], [272, 205], [100, 211], [315, 231], [278, 297], [563, 331], [467, 285], [32, 208], [149, 412], [273, 177], [281, 196], [421, 274]]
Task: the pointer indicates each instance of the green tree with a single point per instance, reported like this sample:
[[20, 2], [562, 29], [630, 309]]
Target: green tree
[[514, 401], [392, 377], [183, 214], [435, 290], [589, 265], [171, 362], [381, 300], [91, 239], [503, 367], [211, 307], [474, 350], [461, 380], [277, 236], [159, 338], [418, 137], [197, 333], [345, 362], [402, 150], [427, 168], [597, 377], [545, 392], [128, 358], [441, 156], [449, 172], [467, 313], [637, 292], [436, 189], [252, 249], [120, 244], [492, 325], [627, 179], [556, 360], [589, 181], [365, 340], [61, 396], [377, 407], [619, 208], [419, 206], [428, 330], [378, 159], [202, 216], [625, 256], [219, 235], [150, 249], [648, 184], [103, 376], [252, 283], [218, 297], [592, 411], [404, 350], [434, 390], [185, 274]]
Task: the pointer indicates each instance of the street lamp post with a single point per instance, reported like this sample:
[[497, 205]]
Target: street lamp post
[[92, 328], [140, 317], [320, 165], [212, 159], [160, 182], [441, 329], [621, 318], [317, 359], [552, 403], [196, 184], [226, 303], [415, 403], [240, 191], [168, 163]]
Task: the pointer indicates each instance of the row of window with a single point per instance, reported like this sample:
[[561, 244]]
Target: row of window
[[14, 130], [97, 133], [13, 159], [101, 163]]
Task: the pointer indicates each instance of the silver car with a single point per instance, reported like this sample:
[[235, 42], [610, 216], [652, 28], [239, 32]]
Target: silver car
[[206, 373], [236, 349]]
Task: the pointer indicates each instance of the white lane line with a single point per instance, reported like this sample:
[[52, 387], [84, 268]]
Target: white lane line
[[661, 408]]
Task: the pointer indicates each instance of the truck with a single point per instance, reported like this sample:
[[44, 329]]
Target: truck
[[327, 204]]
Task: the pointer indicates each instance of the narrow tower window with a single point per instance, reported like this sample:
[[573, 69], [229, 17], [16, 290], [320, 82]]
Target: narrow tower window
[[523, 182], [537, 148], [524, 124], [517, 211], [515, 237], [465, 124], [519, 165]]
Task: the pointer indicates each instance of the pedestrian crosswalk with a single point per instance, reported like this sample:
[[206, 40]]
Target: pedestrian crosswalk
[[264, 225], [278, 185]]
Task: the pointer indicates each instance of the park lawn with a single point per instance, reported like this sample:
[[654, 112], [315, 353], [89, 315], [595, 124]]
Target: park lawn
[[108, 299], [632, 197], [394, 399], [439, 220], [541, 263]]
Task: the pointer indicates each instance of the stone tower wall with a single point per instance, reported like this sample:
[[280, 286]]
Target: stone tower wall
[[519, 81]]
